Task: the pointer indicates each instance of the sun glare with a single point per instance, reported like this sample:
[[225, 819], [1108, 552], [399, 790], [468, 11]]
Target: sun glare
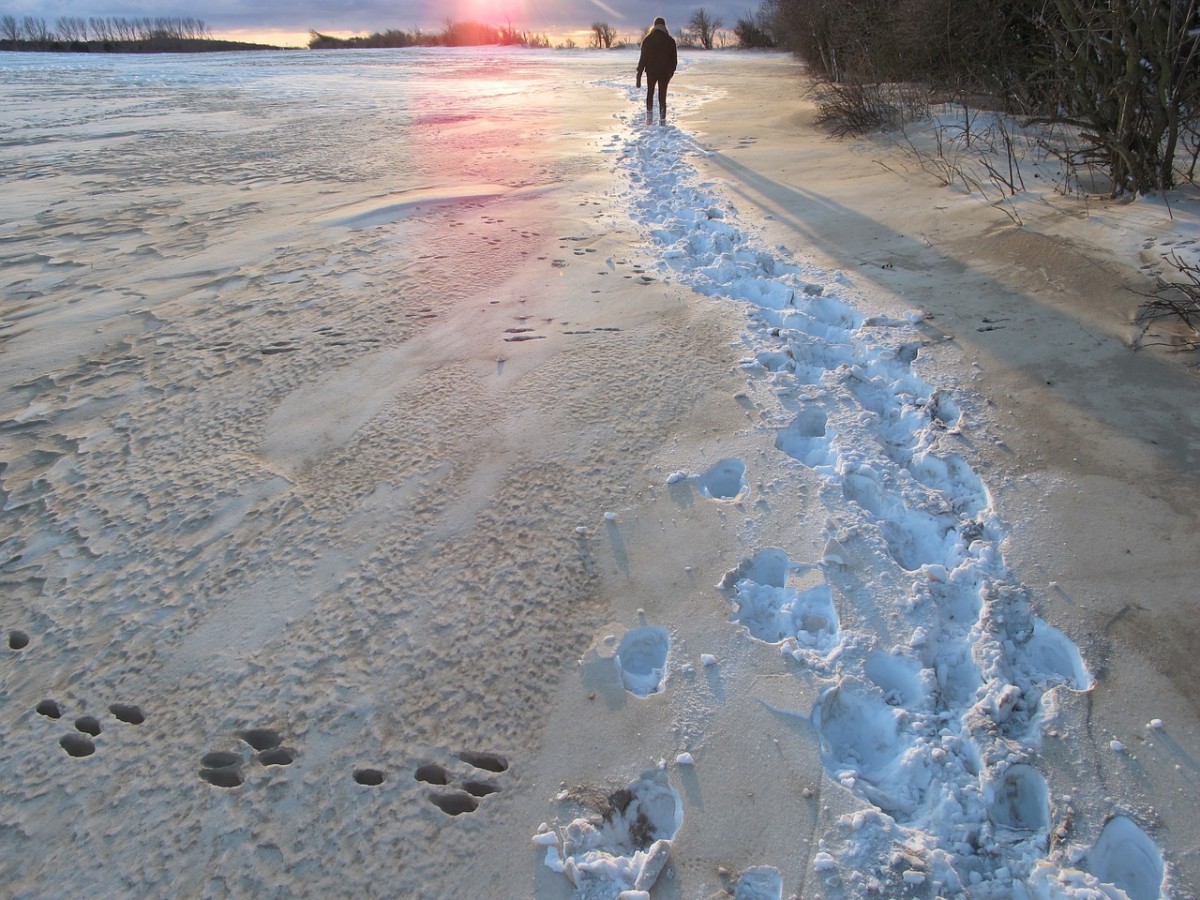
[[493, 12], [271, 38]]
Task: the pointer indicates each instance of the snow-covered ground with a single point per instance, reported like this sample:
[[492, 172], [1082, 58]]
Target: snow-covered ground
[[407, 454]]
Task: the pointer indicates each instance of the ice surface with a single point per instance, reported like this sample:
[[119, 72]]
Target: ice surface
[[258, 557]]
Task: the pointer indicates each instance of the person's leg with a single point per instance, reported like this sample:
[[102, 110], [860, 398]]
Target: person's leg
[[650, 82], [662, 97]]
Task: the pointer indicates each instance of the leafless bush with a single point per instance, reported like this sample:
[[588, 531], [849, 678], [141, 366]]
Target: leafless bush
[[856, 108], [1124, 73], [1128, 74], [1173, 300]]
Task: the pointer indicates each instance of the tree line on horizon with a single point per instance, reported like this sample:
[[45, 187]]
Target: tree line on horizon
[[453, 34], [148, 34], [702, 30], [111, 34], [70, 29]]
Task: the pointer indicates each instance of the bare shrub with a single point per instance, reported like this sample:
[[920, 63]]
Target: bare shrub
[[1128, 73], [1173, 301], [856, 108]]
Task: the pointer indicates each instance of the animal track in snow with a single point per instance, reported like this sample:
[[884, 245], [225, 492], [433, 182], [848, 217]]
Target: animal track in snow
[[369, 777], [225, 768], [127, 713], [220, 759], [432, 773], [489, 762], [222, 768], [898, 677], [461, 795], [480, 788], [77, 745], [277, 756], [864, 746], [766, 567], [454, 803], [914, 538], [261, 738], [50, 709], [231, 777]]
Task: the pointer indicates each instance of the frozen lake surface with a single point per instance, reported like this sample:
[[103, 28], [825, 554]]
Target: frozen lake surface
[[351, 398]]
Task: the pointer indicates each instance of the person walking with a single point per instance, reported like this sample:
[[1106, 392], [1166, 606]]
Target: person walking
[[658, 60]]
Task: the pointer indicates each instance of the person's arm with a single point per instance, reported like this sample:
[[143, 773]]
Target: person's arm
[[641, 65], [674, 57]]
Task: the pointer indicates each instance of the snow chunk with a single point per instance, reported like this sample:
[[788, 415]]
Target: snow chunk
[[824, 861]]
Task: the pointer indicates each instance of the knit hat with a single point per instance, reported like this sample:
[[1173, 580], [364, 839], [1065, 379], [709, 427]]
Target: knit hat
[[660, 21]]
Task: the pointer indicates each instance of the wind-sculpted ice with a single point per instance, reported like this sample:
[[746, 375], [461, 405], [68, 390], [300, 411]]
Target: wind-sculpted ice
[[622, 843], [929, 709]]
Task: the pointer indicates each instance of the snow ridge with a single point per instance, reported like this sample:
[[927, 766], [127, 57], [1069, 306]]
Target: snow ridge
[[930, 708]]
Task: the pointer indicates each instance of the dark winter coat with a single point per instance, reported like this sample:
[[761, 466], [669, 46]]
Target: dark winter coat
[[659, 54]]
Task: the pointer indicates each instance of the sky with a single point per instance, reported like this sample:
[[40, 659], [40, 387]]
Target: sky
[[287, 22]]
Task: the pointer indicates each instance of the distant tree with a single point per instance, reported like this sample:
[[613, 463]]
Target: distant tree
[[123, 29], [753, 31], [35, 29], [704, 27], [101, 30], [10, 28], [468, 34], [71, 29], [603, 35]]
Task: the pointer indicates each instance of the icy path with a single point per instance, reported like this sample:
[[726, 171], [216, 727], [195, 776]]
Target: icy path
[[931, 700]]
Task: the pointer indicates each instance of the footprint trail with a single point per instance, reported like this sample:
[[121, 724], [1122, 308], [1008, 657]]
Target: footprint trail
[[929, 708]]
